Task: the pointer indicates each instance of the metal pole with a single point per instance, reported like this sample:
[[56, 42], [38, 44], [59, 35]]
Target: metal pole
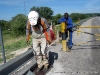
[[2, 45], [25, 8], [64, 43], [88, 27]]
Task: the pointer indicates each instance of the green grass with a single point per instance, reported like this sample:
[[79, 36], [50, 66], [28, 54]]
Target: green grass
[[57, 28], [10, 56], [1, 60], [11, 44]]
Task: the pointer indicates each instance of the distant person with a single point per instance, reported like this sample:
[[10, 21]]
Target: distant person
[[40, 37], [69, 23]]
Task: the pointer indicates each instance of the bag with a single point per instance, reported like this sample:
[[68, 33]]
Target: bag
[[52, 35]]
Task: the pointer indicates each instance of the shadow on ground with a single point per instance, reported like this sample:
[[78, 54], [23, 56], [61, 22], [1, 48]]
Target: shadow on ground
[[52, 56]]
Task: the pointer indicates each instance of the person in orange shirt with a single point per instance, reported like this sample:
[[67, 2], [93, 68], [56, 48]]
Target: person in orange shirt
[[40, 37]]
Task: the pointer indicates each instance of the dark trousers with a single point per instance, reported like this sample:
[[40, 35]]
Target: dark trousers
[[69, 43]]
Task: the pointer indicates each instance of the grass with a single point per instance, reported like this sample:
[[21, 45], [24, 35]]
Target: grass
[[10, 56], [11, 44], [1, 60], [57, 28]]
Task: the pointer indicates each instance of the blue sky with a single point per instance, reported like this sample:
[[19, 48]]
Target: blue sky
[[10, 8]]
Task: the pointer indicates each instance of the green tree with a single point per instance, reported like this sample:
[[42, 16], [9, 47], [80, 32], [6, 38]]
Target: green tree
[[45, 12], [56, 18], [18, 24], [75, 16], [5, 24]]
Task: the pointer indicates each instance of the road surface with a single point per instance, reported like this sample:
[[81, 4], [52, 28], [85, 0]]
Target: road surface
[[82, 60]]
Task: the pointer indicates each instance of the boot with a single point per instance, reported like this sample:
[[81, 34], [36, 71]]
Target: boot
[[45, 67], [38, 69], [39, 62], [45, 62]]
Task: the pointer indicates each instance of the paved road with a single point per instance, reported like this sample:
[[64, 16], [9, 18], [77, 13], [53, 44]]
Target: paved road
[[82, 60]]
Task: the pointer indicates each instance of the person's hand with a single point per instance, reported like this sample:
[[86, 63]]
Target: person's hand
[[27, 42], [66, 23], [65, 29], [48, 42], [55, 37]]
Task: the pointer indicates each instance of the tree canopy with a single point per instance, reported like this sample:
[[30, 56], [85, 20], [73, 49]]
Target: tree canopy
[[5, 24], [18, 24], [45, 12], [56, 18]]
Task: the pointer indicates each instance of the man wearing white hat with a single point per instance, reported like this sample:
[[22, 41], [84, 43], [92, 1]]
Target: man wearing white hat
[[40, 36]]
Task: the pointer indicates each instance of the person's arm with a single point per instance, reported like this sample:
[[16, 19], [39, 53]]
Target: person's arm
[[61, 20], [70, 23], [28, 31], [45, 24], [46, 28]]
